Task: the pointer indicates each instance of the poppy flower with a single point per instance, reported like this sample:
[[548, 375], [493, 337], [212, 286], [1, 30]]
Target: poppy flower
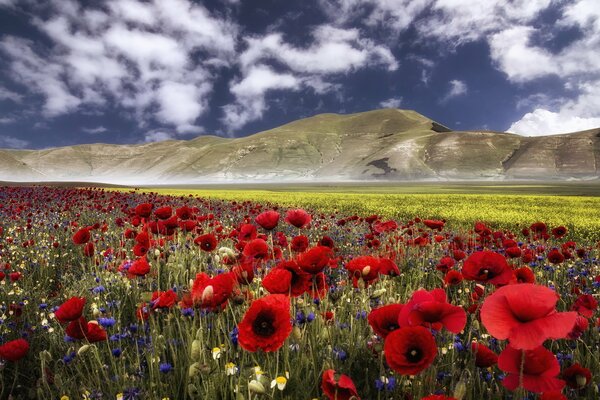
[[70, 310], [212, 292], [299, 244], [445, 264], [410, 350], [431, 309], [298, 218], [256, 249], [484, 357], [536, 369], [555, 256], [139, 267], [165, 299], [163, 212], [585, 305], [340, 388], [95, 333], [88, 249], [144, 210], [184, 212], [82, 236], [77, 329], [207, 242], [525, 314], [287, 278], [559, 231], [577, 376], [513, 252], [453, 277], [266, 324], [384, 319], [523, 275], [434, 224], [487, 267], [268, 220], [315, 259], [247, 232], [14, 350], [581, 325]]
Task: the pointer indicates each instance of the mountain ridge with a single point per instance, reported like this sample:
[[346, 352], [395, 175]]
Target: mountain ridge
[[386, 144]]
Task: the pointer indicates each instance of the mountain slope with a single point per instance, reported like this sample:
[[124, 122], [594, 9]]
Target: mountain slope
[[386, 144]]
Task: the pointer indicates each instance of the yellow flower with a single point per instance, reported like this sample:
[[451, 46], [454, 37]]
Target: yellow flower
[[119, 396], [258, 372], [216, 353], [65, 397], [231, 368]]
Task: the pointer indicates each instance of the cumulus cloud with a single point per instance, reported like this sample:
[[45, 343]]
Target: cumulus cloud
[[332, 51], [393, 102], [542, 122], [12, 142], [155, 58], [158, 136]]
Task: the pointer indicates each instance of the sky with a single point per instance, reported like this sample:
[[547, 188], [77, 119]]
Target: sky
[[134, 71]]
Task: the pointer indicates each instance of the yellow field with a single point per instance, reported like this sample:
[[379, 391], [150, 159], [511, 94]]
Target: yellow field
[[581, 214]]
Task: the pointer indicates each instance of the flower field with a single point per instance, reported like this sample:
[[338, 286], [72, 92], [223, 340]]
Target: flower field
[[139, 295]]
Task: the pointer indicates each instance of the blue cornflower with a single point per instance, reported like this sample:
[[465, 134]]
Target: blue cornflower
[[165, 368]]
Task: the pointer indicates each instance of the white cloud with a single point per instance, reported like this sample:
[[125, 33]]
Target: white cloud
[[457, 88], [6, 94], [156, 58], [250, 91], [158, 136], [332, 52], [7, 120], [542, 122], [12, 142], [393, 102], [95, 131]]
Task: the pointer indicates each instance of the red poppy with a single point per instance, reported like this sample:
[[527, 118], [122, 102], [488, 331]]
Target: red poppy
[[577, 376], [246, 232], [525, 314], [143, 210], [581, 325], [384, 319], [445, 264], [14, 350], [315, 259], [585, 305], [484, 357], [95, 333], [82, 236], [78, 328], [163, 299], [365, 268], [163, 212], [88, 249], [139, 267], [268, 220], [256, 249], [559, 231], [555, 256], [434, 224], [536, 369], [513, 252], [266, 324], [212, 292], [523, 275], [431, 309], [340, 388], [184, 212], [453, 278], [207, 242], [538, 227], [70, 310], [299, 244], [287, 278], [554, 395], [487, 266], [298, 218], [410, 350]]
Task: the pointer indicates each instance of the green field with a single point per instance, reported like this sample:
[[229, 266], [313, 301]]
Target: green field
[[512, 206]]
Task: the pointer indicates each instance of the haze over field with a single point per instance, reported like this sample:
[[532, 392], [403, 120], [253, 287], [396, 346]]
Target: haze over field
[[387, 145]]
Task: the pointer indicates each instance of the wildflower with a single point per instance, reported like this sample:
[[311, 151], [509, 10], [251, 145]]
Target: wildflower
[[165, 368], [338, 388], [266, 324], [535, 369], [280, 381], [231, 369], [410, 350]]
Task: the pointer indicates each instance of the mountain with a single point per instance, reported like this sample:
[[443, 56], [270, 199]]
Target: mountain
[[388, 144]]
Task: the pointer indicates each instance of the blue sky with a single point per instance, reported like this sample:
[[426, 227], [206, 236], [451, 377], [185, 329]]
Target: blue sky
[[133, 71]]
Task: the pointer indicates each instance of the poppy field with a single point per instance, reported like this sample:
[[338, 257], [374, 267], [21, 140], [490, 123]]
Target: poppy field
[[139, 295]]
